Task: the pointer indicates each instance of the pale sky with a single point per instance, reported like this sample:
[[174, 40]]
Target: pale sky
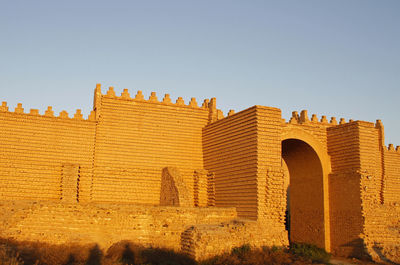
[[337, 58]]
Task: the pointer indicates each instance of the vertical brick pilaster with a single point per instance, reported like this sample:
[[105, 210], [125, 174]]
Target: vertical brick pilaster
[[270, 176]]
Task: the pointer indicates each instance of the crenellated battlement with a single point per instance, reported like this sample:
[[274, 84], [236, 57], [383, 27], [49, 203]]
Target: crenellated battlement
[[391, 148], [303, 118], [207, 105], [179, 102], [48, 113]]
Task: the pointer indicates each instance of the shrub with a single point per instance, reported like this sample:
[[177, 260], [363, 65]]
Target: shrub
[[9, 256], [310, 251], [241, 251], [245, 255], [128, 253], [121, 253], [47, 254]]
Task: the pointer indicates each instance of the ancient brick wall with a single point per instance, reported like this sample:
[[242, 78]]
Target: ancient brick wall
[[208, 240], [119, 153], [364, 215], [137, 138], [244, 152], [104, 224], [305, 152], [34, 150], [371, 162], [381, 231], [116, 155], [230, 152], [391, 181], [317, 128], [270, 179], [380, 195], [344, 189]]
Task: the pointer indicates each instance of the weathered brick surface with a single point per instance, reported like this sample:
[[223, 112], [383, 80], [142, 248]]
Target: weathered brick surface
[[104, 224], [344, 189], [207, 240], [381, 233], [391, 181], [173, 189], [379, 195], [271, 191], [331, 183]]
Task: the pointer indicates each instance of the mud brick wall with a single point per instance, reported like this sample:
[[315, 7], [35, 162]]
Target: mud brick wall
[[104, 224], [137, 138], [230, 152], [380, 195], [244, 152], [364, 215], [371, 159], [344, 189], [391, 181], [270, 177], [117, 155], [381, 234], [381, 227], [34, 148], [314, 126], [207, 240]]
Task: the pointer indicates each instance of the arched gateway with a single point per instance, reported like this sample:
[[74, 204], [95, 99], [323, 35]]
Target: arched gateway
[[306, 165]]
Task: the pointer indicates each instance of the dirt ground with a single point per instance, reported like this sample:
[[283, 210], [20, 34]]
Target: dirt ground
[[344, 261]]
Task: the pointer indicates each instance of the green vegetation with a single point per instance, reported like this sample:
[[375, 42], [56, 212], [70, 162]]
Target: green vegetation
[[241, 251], [245, 255], [125, 252], [121, 253], [311, 252], [8, 256]]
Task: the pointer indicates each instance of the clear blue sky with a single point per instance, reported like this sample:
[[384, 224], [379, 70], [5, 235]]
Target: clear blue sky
[[336, 58]]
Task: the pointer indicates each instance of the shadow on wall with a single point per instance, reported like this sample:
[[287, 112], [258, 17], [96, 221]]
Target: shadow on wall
[[287, 212], [173, 189], [95, 256], [359, 251], [356, 249], [378, 251], [305, 193]]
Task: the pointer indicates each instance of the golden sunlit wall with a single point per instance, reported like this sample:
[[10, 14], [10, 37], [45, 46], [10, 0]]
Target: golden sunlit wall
[[35, 148], [344, 189], [391, 181], [230, 152], [137, 138], [118, 155], [379, 192]]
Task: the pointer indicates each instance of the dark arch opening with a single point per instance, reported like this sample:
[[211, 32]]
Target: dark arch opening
[[305, 196]]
